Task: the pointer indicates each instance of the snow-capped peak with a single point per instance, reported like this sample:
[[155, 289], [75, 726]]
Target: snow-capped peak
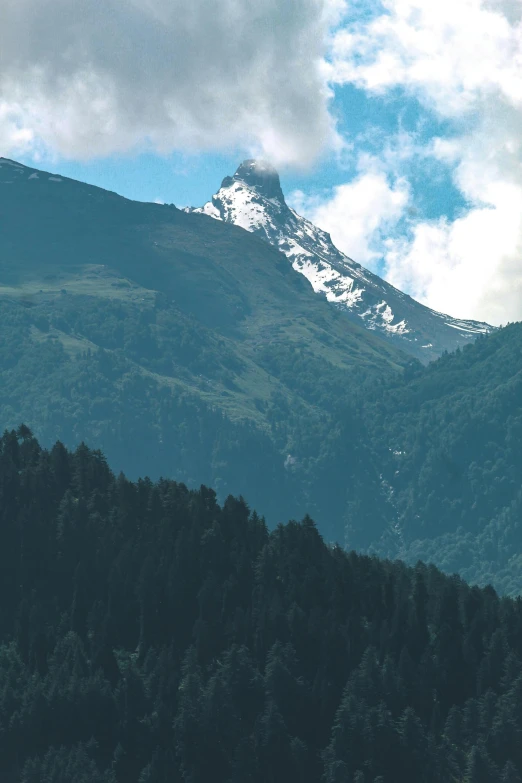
[[252, 198], [261, 177]]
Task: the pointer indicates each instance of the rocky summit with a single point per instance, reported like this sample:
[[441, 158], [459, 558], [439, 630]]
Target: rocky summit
[[254, 200]]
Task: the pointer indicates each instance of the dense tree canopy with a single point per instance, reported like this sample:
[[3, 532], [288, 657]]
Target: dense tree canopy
[[149, 634], [423, 465], [454, 436]]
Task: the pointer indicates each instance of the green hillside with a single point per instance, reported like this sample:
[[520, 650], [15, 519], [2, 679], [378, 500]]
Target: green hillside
[[181, 346]]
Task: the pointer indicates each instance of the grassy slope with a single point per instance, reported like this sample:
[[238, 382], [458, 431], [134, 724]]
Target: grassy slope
[[67, 236], [195, 319]]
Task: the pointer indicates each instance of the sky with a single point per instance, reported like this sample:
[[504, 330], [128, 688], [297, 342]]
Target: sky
[[396, 125]]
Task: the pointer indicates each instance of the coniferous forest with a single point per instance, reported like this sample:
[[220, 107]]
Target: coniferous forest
[[149, 634]]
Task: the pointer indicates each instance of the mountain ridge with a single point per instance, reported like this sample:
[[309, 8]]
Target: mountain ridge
[[125, 323], [253, 199], [188, 348]]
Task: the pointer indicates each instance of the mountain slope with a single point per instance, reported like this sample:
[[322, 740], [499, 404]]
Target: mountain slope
[[180, 345], [253, 199], [186, 347], [453, 433], [86, 240]]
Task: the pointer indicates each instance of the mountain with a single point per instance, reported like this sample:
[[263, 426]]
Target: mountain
[[179, 345], [149, 634], [253, 199], [188, 348]]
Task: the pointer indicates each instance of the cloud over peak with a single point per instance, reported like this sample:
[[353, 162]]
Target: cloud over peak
[[461, 60], [91, 79]]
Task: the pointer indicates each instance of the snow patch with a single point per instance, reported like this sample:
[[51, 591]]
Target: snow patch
[[472, 329], [210, 210], [295, 249]]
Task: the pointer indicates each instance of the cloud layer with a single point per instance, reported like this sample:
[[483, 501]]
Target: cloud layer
[[93, 78], [462, 61]]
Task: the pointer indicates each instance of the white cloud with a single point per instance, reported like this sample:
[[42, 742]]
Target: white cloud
[[470, 267], [451, 54], [462, 59], [360, 214], [94, 78]]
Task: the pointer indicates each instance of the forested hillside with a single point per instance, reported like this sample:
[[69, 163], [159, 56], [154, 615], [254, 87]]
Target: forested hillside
[[188, 348], [149, 634], [454, 438]]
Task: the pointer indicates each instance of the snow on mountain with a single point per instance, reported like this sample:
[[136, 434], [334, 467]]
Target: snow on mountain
[[253, 199]]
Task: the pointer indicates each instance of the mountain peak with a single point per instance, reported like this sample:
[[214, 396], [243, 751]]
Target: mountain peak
[[259, 175], [253, 200]]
